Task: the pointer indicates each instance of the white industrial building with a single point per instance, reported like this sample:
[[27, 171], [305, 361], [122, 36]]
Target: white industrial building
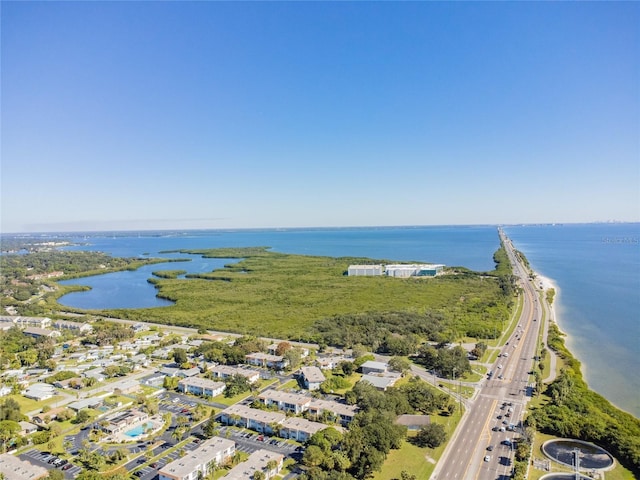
[[413, 270], [398, 271], [365, 270]]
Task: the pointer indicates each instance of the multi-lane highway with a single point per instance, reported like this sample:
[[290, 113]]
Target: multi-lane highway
[[481, 448]]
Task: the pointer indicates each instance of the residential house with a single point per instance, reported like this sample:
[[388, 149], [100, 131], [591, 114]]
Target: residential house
[[155, 380], [373, 367], [189, 372], [75, 382], [169, 371], [139, 327], [45, 417], [27, 428], [93, 402], [96, 373], [413, 422], [125, 386], [39, 391], [381, 381]]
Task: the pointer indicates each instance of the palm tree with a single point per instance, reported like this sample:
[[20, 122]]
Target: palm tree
[[177, 434], [272, 467], [258, 475]]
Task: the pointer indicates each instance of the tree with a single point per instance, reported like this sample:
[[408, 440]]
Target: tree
[[210, 428], [313, 456], [180, 356], [272, 467], [282, 348], [432, 436], [55, 475], [236, 384], [293, 356], [400, 364], [258, 475]]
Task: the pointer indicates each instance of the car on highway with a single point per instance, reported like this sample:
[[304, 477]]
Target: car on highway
[[487, 458], [490, 448]]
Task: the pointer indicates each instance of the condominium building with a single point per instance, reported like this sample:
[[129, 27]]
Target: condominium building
[[198, 463]]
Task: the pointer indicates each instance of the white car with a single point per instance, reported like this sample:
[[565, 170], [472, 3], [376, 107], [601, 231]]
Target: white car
[[487, 458], [499, 366]]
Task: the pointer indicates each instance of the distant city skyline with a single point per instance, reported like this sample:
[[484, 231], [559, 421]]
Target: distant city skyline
[[219, 115]]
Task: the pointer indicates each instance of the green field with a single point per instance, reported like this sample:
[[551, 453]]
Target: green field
[[282, 296]]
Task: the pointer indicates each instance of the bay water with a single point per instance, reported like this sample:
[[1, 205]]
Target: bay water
[[596, 268]]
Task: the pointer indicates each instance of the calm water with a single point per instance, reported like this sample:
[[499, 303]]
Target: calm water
[[472, 247], [596, 267], [597, 270]]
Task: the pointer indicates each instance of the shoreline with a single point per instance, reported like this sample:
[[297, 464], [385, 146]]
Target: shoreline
[[554, 318]]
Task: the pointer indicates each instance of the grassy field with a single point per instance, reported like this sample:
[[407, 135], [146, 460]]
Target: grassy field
[[282, 295], [415, 460]]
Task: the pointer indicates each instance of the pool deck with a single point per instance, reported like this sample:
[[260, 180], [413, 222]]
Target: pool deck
[[157, 424]]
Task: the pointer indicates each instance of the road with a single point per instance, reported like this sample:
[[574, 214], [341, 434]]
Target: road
[[478, 449]]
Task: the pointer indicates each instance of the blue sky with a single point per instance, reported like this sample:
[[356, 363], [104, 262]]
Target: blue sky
[[150, 115]]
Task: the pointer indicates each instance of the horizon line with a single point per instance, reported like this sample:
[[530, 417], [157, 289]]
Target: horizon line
[[226, 229]]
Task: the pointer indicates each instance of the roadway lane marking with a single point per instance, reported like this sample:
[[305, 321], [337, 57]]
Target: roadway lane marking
[[481, 438]]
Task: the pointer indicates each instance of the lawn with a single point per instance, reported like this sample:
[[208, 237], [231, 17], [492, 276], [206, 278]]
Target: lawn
[[415, 460], [409, 458]]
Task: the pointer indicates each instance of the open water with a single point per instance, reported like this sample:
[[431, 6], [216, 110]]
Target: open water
[[596, 268]]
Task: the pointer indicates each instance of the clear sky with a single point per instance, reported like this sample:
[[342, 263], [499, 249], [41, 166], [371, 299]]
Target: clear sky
[[172, 115]]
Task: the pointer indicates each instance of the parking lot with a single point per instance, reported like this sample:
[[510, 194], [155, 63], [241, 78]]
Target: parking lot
[[161, 449], [46, 460]]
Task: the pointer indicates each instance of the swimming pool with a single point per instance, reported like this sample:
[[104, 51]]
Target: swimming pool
[[139, 430]]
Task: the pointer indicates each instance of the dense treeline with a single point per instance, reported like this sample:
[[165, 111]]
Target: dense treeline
[[19, 350], [23, 277], [361, 451], [446, 361], [575, 411], [21, 266], [108, 333], [379, 330]]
